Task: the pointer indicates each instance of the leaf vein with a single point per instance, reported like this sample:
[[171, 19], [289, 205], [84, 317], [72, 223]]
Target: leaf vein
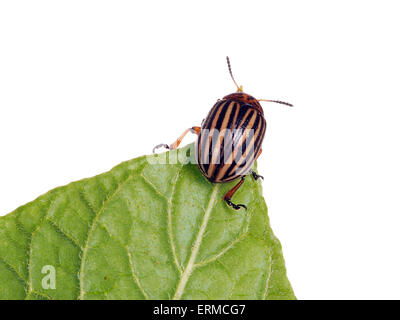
[[92, 226], [44, 219], [269, 272], [134, 275], [223, 251], [64, 233], [169, 228], [191, 263], [149, 183], [14, 270]]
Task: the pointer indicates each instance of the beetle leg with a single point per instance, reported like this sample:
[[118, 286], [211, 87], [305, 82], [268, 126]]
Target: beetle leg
[[160, 146], [255, 175], [178, 141], [230, 194]]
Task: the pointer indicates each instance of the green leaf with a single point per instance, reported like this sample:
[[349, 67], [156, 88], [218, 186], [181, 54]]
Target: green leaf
[[143, 230]]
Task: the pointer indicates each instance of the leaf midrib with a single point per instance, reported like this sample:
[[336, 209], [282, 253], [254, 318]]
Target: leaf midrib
[[199, 238]]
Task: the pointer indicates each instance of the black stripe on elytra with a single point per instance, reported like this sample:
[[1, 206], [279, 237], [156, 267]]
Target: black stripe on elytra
[[227, 140], [222, 115], [250, 158], [235, 167], [245, 169], [215, 135], [237, 134], [211, 114], [204, 160], [224, 135], [245, 146], [203, 137], [205, 154], [236, 145]]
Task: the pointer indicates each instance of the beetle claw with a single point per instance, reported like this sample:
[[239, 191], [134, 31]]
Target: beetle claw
[[256, 176], [235, 206], [160, 146]]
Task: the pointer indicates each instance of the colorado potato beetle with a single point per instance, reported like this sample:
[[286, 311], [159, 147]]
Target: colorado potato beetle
[[229, 139]]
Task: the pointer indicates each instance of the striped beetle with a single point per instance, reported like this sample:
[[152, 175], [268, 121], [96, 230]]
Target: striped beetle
[[229, 139]]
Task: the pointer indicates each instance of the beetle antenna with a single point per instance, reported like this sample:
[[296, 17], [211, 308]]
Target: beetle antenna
[[239, 89], [276, 101]]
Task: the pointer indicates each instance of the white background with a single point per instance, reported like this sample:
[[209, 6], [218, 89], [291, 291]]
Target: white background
[[85, 85]]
